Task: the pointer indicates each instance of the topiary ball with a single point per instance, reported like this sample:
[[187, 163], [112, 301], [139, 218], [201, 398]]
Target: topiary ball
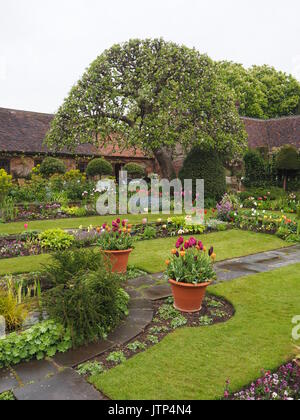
[[99, 167], [134, 170], [51, 166]]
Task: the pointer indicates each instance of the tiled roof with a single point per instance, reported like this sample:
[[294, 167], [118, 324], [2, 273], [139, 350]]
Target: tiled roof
[[24, 132], [275, 132]]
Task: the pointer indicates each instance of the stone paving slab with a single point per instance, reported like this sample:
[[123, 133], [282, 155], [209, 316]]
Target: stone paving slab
[[81, 355], [35, 371], [125, 333], [140, 304], [161, 291], [141, 282], [8, 381], [258, 263], [64, 386]]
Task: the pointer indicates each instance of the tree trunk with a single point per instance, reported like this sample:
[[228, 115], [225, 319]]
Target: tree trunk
[[164, 159], [285, 182]]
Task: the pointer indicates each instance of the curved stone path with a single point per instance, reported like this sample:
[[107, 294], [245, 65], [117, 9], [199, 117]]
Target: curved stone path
[[55, 379]]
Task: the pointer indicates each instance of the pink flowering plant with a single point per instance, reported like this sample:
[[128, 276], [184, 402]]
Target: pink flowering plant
[[225, 209], [191, 263], [283, 385], [116, 237]]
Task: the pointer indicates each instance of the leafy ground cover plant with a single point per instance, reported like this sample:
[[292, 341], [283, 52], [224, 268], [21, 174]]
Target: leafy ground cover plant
[[190, 262], [7, 396], [56, 240], [116, 357], [85, 297], [90, 368], [44, 339]]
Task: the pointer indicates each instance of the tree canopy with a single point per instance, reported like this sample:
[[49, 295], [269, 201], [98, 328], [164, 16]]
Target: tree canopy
[[153, 95], [262, 91]]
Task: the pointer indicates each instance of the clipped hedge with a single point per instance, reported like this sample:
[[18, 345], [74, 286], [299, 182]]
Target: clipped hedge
[[207, 165], [134, 170], [42, 340], [255, 168], [51, 166], [99, 167]]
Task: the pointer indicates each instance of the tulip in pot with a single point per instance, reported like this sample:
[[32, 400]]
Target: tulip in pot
[[190, 271], [116, 243]]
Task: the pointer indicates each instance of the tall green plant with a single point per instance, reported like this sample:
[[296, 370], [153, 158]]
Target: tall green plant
[[85, 296]]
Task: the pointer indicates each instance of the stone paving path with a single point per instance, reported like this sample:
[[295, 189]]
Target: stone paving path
[[54, 379]]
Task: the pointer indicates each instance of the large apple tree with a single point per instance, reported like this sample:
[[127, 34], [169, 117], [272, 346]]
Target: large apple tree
[[153, 95]]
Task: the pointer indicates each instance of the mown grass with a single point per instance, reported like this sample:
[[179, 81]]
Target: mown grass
[[73, 223], [151, 255], [194, 363]]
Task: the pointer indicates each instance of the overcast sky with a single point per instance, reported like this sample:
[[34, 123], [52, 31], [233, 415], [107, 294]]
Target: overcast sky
[[45, 45]]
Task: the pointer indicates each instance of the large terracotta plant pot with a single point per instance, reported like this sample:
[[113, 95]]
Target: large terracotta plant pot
[[118, 260], [188, 297]]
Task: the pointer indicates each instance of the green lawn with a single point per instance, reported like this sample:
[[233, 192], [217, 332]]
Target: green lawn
[[194, 363], [23, 264], [73, 223], [151, 255]]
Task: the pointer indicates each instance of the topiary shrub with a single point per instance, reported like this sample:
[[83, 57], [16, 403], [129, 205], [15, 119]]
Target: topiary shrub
[[85, 297], [99, 167], [207, 165], [287, 161], [134, 170], [5, 184], [255, 168], [52, 166]]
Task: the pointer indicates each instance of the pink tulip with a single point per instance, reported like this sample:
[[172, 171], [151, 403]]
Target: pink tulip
[[26, 226]]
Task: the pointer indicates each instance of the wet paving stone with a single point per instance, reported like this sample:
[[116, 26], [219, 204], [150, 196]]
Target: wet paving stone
[[125, 333], [64, 386], [8, 381], [141, 282], [161, 291], [81, 355], [144, 304], [35, 371]]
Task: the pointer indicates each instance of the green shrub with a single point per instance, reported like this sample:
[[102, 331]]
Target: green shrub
[[56, 240], [51, 166], [99, 167], [287, 161], [74, 211], [44, 339], [5, 184], [85, 297], [205, 165], [255, 168], [134, 170]]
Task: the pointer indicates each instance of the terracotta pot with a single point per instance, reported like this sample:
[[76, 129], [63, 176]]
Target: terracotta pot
[[118, 260], [188, 297]]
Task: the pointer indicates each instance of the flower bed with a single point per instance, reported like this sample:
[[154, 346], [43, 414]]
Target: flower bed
[[282, 385], [166, 320]]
